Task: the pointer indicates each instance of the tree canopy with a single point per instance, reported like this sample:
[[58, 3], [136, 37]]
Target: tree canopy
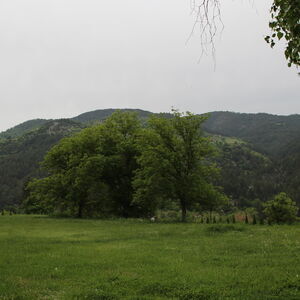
[[92, 171], [124, 169], [174, 164]]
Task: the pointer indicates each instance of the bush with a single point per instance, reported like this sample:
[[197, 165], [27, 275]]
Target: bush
[[281, 209]]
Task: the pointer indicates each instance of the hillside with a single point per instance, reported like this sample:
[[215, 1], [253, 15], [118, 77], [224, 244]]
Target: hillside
[[101, 114], [20, 157], [260, 151], [23, 128], [270, 134]]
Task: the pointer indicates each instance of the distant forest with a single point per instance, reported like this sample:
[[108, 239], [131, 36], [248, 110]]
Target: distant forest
[[258, 154]]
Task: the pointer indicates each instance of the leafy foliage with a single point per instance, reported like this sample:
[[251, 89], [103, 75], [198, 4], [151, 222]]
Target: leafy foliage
[[285, 23], [91, 172], [120, 169], [174, 164], [281, 209]]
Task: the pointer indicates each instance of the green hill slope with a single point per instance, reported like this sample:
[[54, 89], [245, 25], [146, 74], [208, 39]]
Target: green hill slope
[[23, 128], [259, 153], [20, 157], [101, 114], [270, 134]]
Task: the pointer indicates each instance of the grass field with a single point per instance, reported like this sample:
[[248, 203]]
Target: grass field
[[48, 258]]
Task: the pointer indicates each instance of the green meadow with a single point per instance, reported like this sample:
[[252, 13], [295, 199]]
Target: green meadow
[[57, 258]]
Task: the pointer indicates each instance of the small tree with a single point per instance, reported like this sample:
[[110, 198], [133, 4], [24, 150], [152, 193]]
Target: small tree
[[254, 222], [246, 219], [281, 209]]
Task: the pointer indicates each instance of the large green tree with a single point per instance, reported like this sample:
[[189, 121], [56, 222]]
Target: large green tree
[[91, 171], [174, 164], [121, 168]]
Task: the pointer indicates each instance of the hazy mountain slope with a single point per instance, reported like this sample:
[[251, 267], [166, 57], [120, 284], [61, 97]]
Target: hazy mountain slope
[[101, 114], [268, 133], [23, 128], [20, 157]]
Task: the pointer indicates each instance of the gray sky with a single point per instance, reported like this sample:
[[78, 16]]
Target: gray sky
[[60, 58]]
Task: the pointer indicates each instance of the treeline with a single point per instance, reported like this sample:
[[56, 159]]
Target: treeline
[[128, 169], [258, 156]]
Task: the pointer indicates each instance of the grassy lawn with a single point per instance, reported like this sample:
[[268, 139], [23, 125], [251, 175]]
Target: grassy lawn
[[48, 258]]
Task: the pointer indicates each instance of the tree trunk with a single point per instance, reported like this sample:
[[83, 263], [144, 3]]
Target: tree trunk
[[80, 209], [183, 211]]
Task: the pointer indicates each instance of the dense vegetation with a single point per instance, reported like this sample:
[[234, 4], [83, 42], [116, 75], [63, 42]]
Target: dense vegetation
[[50, 258], [122, 168], [260, 151], [20, 158]]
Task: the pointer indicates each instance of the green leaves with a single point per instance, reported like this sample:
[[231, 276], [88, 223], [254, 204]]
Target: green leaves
[[285, 23], [174, 164], [279, 35], [119, 168], [281, 209], [95, 170]]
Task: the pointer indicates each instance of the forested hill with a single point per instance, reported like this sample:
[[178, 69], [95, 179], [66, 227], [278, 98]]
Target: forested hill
[[101, 114], [261, 151], [270, 134], [23, 128], [85, 118], [20, 157]]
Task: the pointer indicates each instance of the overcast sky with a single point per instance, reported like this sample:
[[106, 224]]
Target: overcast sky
[[60, 58]]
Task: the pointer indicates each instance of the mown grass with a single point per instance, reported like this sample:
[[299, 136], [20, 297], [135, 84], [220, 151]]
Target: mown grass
[[48, 258]]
